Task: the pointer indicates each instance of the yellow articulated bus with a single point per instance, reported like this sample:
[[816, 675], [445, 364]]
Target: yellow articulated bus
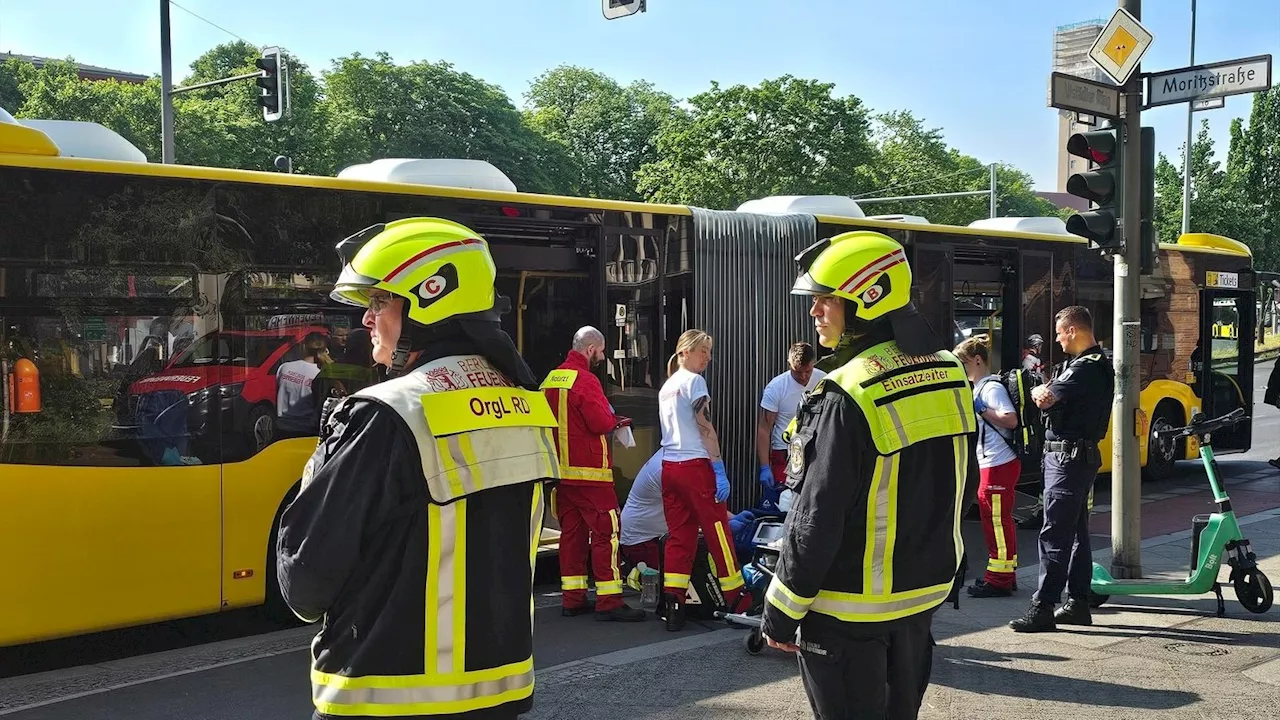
[[166, 337]]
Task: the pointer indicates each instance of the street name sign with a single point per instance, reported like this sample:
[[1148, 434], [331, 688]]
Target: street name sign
[[1200, 82], [1068, 92], [1120, 46]]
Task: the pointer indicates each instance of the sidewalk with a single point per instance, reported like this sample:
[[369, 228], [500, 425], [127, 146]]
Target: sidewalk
[[1144, 657]]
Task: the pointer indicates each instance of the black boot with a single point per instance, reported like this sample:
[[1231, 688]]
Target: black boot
[[1039, 618], [1074, 612], [674, 607]]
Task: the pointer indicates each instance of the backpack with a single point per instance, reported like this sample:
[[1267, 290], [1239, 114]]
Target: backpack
[[1028, 435]]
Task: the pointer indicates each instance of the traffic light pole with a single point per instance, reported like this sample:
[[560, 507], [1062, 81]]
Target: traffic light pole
[[166, 84], [1126, 496]]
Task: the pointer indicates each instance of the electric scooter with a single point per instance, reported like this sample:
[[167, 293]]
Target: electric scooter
[[1213, 536]]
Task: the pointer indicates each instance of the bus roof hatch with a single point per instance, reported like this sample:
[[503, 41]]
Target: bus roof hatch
[[837, 205], [439, 172], [1043, 225], [78, 139]]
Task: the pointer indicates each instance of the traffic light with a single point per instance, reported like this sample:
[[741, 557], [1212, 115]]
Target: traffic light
[[1148, 227], [1100, 185], [614, 9], [274, 83]]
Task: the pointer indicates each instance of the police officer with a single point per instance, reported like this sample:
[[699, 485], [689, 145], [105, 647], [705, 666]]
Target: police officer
[[417, 522], [1077, 404], [878, 456]]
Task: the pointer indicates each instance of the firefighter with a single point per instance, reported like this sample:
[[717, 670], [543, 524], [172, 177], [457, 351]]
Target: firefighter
[[417, 523], [585, 502], [879, 455]]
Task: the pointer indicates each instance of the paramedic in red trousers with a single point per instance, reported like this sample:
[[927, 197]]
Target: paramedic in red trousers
[[585, 502], [778, 405], [879, 458], [694, 483], [998, 469]]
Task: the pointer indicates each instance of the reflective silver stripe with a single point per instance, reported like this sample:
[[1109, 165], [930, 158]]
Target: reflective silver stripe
[[837, 607], [447, 519], [896, 419], [966, 417], [786, 601], [459, 458], [425, 694], [961, 449], [879, 548]]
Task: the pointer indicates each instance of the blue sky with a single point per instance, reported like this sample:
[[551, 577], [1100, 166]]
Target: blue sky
[[977, 69]]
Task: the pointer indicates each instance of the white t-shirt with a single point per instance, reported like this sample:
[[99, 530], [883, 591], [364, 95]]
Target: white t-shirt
[[680, 437], [642, 515], [783, 395], [294, 398], [994, 442]]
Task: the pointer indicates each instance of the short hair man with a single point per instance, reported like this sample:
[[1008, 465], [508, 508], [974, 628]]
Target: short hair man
[[585, 502], [778, 406], [1077, 405]]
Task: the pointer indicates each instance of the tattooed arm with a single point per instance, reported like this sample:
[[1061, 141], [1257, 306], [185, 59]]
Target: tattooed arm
[[702, 413]]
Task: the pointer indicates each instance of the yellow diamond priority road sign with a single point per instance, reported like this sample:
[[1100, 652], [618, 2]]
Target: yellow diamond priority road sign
[[1120, 47]]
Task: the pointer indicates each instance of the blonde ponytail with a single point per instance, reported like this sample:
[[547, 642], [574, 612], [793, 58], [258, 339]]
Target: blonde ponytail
[[689, 341]]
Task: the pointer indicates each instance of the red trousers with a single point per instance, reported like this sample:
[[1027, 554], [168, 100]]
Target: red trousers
[[689, 503], [995, 501], [588, 516], [648, 552]]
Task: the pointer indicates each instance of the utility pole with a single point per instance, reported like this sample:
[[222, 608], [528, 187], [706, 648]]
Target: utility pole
[[1186, 154], [1126, 495], [166, 87], [993, 191]]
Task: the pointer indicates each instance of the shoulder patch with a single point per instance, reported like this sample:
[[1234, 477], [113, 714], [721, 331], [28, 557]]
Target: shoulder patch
[[795, 457], [1094, 357]]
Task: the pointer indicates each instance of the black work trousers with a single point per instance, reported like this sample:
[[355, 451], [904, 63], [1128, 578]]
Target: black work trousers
[[879, 676], [1066, 559]]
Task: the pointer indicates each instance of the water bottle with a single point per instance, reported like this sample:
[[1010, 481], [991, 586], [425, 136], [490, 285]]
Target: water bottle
[[648, 586]]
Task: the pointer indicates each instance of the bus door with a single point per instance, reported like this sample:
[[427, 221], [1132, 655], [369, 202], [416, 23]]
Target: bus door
[[931, 288], [1224, 357]]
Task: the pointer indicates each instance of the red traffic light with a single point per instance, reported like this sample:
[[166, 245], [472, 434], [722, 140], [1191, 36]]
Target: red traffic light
[[1099, 146]]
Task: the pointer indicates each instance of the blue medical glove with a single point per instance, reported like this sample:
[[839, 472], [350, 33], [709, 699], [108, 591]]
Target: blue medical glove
[[978, 405], [766, 477], [722, 481]]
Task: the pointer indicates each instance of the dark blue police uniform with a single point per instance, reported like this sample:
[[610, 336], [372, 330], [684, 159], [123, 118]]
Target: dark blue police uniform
[[1074, 425]]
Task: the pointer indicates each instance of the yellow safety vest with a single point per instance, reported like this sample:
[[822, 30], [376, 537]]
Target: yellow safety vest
[[471, 438], [906, 400], [561, 380]]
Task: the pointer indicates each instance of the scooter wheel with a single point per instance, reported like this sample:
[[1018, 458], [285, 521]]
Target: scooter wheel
[[755, 642], [1253, 590], [1096, 601]]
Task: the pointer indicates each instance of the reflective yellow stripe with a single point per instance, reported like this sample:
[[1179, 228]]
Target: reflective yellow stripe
[[535, 536], [791, 604], [427, 694], [574, 472], [435, 552], [726, 549], [446, 587], [458, 607], [613, 551], [1002, 548], [860, 607], [452, 470], [733, 582], [573, 582], [609, 587], [1002, 566], [877, 559], [675, 580]]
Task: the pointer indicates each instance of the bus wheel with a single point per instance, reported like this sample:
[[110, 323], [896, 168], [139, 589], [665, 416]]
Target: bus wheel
[[1162, 454]]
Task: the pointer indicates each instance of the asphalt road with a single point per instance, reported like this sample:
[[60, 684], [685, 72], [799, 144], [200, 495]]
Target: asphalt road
[[275, 686]]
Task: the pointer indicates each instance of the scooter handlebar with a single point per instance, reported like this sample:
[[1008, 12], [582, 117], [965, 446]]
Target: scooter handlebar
[[1199, 426]]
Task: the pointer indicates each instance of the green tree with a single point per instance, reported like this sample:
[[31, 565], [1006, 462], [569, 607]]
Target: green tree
[[430, 110], [609, 131], [56, 91], [915, 160], [1253, 173], [1222, 202], [13, 73], [787, 136]]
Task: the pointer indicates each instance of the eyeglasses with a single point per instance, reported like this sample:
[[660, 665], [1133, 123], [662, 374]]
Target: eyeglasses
[[378, 303]]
